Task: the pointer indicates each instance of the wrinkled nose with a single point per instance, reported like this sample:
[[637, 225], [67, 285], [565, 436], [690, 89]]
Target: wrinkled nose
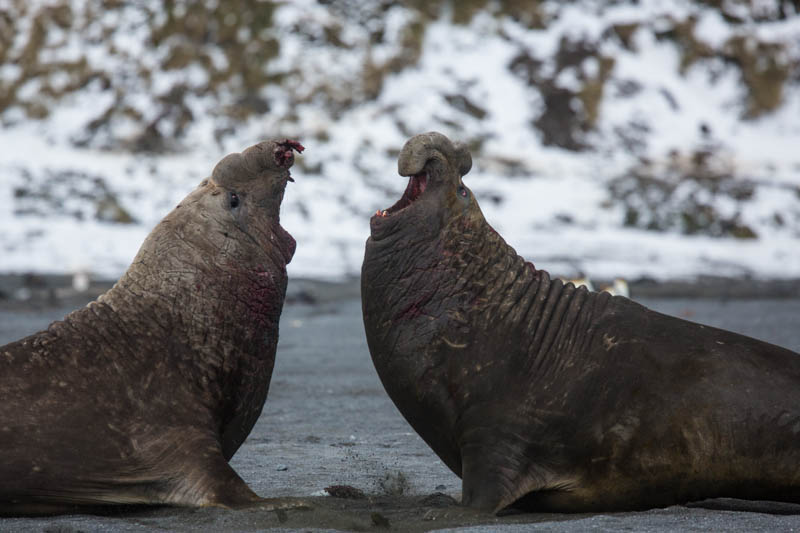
[[432, 145], [275, 156]]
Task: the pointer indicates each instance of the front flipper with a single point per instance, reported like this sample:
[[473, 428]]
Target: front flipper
[[174, 466], [200, 480], [491, 483], [208, 479], [494, 477], [203, 477]]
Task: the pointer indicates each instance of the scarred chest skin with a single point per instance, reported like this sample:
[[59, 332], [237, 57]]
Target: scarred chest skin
[[144, 395], [549, 397]]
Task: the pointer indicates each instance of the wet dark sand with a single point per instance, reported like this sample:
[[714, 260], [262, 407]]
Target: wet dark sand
[[328, 422]]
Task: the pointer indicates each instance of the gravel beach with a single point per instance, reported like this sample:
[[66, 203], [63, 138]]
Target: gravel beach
[[328, 424]]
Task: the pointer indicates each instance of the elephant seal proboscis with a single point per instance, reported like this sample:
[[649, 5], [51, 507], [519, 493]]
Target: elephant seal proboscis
[[144, 395], [549, 397]]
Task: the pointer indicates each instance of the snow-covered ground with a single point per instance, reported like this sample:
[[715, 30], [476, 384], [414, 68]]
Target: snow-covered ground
[[554, 205]]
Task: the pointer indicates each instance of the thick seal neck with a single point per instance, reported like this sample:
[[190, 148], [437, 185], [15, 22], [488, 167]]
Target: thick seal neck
[[194, 297]]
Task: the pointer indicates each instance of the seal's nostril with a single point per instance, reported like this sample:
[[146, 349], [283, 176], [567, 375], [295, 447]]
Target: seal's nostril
[[284, 152]]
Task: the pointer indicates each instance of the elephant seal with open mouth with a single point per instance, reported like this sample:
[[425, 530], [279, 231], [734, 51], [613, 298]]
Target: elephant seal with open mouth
[[143, 396], [549, 397]]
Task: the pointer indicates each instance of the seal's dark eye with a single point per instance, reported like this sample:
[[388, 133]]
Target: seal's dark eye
[[462, 191], [234, 200]]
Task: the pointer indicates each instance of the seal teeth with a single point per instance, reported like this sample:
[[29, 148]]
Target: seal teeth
[[416, 186]]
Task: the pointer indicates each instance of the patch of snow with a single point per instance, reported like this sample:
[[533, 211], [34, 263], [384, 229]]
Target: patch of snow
[[552, 205]]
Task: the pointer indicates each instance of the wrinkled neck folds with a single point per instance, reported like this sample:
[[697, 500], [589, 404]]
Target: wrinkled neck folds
[[465, 259]]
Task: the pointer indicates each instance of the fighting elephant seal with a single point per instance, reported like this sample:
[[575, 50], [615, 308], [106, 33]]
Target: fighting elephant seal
[[144, 395], [549, 397]]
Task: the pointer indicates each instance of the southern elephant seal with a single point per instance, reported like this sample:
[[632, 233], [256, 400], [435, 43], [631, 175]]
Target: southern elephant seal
[[549, 397], [143, 396]]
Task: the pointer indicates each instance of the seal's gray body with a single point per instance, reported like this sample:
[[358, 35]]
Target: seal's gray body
[[550, 397], [144, 395]]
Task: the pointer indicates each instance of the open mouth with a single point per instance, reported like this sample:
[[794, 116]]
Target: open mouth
[[416, 186]]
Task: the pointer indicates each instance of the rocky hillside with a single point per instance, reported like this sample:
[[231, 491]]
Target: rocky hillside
[[641, 138]]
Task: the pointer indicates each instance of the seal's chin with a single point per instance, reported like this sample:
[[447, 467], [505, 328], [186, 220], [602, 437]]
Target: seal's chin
[[285, 243]]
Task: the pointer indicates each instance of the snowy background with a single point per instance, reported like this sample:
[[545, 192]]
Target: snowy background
[[658, 138]]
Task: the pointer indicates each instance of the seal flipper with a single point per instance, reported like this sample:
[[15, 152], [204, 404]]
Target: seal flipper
[[194, 473], [493, 478], [486, 485], [217, 484], [204, 478], [496, 476], [213, 482]]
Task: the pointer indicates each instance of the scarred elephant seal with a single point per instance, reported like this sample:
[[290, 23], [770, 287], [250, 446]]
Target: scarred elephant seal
[[549, 397], [143, 396]]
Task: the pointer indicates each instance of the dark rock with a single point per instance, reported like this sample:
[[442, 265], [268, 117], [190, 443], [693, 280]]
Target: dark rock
[[438, 499], [345, 492]]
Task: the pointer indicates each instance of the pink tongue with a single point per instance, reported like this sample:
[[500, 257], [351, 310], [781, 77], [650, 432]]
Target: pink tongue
[[418, 186]]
